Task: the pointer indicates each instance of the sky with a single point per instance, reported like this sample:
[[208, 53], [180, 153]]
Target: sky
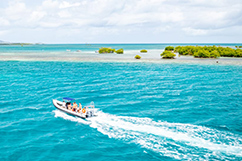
[[121, 21]]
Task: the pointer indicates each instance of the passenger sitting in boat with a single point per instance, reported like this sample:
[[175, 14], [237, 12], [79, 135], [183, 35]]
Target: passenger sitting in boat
[[80, 108], [74, 107], [69, 106]]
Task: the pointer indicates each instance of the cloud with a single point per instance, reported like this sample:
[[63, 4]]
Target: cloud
[[65, 14], [65, 4], [4, 32], [49, 4], [15, 10], [4, 22], [189, 17], [194, 32], [37, 15]]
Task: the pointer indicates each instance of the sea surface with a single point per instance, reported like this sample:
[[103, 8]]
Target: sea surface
[[48, 48], [146, 111]]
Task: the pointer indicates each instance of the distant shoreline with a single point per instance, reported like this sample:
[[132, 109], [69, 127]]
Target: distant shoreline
[[120, 43], [88, 54], [179, 60], [17, 44]]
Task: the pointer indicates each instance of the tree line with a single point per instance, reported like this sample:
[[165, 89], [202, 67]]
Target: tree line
[[206, 51]]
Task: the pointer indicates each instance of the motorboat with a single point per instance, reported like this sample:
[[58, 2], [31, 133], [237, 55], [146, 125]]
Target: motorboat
[[82, 112]]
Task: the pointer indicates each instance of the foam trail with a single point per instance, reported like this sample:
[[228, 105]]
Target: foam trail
[[179, 141]]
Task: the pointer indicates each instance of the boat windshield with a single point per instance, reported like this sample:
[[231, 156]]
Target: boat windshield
[[92, 104]]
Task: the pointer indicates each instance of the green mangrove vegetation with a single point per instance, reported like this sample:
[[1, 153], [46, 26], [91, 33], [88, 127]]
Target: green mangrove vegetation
[[120, 51], [143, 51], [167, 55], [208, 51], [137, 57], [110, 50], [169, 48], [106, 50]]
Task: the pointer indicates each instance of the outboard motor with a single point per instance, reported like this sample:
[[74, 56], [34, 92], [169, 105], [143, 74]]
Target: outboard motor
[[88, 114], [90, 111]]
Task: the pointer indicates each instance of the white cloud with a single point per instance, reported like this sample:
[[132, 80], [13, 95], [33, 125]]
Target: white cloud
[[194, 32], [37, 15], [49, 24], [189, 17], [64, 14], [4, 32], [50, 4], [16, 10], [4, 22], [65, 4]]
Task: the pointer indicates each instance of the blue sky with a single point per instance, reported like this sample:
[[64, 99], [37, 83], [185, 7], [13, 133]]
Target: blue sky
[[124, 21]]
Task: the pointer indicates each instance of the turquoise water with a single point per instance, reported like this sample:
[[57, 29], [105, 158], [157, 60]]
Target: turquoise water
[[146, 111], [90, 47]]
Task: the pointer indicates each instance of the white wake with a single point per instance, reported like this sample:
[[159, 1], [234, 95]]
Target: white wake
[[179, 141]]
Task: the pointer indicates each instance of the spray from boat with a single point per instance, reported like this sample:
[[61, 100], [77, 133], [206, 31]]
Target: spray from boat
[[175, 140]]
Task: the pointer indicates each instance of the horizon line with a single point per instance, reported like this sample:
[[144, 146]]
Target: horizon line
[[2, 42]]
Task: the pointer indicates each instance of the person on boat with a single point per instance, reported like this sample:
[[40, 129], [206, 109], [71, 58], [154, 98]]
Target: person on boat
[[64, 104], [74, 107], [69, 106], [80, 108]]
